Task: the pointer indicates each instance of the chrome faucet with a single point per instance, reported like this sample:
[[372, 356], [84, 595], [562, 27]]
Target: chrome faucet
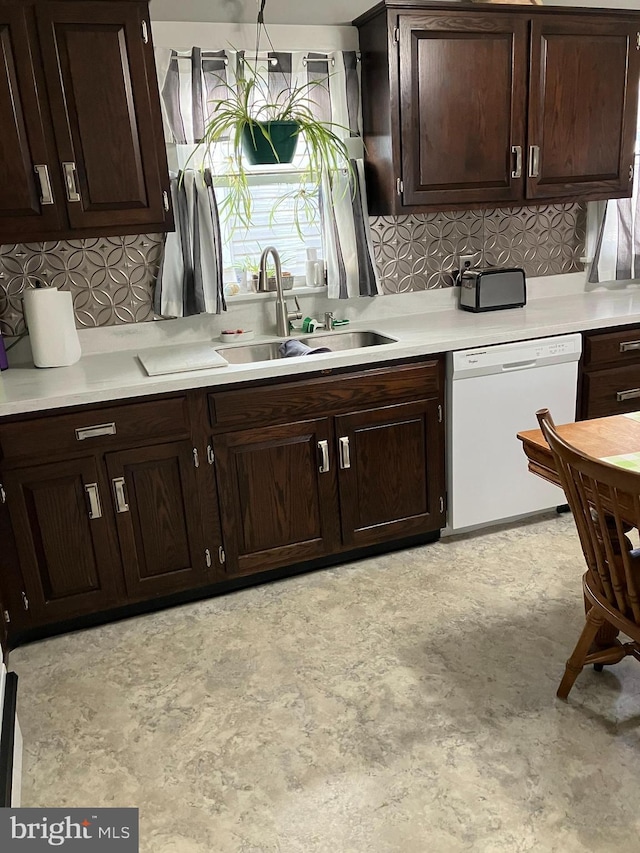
[[283, 315]]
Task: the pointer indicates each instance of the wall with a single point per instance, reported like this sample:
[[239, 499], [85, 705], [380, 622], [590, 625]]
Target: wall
[[327, 12]]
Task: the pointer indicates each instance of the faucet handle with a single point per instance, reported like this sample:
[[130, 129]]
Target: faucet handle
[[297, 304]]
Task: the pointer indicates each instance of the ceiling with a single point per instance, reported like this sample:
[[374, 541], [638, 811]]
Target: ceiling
[[276, 11]]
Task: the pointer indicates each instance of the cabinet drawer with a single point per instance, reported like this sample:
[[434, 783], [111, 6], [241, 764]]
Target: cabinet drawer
[[84, 430], [620, 347], [611, 392], [341, 393]]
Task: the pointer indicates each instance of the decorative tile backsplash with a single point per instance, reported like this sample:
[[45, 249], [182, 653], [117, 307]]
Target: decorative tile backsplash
[[112, 278], [420, 252]]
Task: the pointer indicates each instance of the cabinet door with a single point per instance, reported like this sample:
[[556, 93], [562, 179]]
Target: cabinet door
[[105, 112], [62, 532], [13, 599], [462, 102], [278, 497], [582, 107], [27, 205], [155, 497], [391, 473]]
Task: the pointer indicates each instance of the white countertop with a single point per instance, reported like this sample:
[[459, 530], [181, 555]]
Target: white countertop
[[118, 375]]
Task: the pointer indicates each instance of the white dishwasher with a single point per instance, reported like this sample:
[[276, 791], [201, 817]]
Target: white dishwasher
[[494, 393]]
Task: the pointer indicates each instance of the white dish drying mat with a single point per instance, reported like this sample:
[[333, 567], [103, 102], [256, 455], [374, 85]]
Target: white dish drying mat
[[179, 359]]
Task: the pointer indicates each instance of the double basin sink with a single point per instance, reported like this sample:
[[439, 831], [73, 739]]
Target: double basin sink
[[335, 341]]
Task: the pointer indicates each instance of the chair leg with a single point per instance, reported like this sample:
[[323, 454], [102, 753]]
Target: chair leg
[[576, 661]]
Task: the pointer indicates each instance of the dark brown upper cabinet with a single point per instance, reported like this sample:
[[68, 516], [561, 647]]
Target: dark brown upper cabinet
[[84, 155], [583, 97], [26, 148], [501, 106], [466, 76]]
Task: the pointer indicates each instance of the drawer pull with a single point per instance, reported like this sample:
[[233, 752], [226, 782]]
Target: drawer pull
[[627, 346], [95, 507], [345, 455], [120, 494], [323, 447], [631, 394], [95, 431]]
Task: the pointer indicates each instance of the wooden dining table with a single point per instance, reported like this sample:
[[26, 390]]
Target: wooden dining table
[[601, 438]]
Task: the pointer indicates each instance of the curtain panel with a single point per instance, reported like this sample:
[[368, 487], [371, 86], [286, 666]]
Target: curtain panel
[[617, 252]]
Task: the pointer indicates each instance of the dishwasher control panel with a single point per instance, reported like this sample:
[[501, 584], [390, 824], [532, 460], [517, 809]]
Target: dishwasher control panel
[[519, 356]]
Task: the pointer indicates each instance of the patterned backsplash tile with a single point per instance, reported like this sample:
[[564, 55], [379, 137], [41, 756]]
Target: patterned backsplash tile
[[420, 252], [112, 278]]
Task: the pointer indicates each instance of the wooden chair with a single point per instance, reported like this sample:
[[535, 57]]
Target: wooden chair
[[605, 501]]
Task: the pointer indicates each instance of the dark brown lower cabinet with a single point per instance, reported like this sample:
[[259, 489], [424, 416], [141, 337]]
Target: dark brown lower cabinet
[[295, 472], [13, 610], [154, 494], [391, 474], [295, 492], [60, 518], [609, 380], [278, 496]]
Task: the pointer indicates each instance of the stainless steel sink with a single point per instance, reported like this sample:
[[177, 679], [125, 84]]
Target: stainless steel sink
[[250, 352], [335, 341], [339, 341]]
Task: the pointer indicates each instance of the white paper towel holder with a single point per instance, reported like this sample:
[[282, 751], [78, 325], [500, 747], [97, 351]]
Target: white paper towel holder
[[52, 328]]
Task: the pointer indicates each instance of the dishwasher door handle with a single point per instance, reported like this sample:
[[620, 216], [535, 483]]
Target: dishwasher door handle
[[519, 365]]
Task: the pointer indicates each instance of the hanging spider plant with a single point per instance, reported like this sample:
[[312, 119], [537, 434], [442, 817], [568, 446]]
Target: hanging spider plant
[[258, 127]]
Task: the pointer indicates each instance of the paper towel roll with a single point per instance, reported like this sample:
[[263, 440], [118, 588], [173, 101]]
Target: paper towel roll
[[52, 328]]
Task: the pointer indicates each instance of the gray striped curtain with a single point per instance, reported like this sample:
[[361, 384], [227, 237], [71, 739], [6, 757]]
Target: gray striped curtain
[[618, 256], [190, 276], [346, 235], [190, 279]]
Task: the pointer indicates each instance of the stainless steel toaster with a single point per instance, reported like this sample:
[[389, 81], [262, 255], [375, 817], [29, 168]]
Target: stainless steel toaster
[[492, 288]]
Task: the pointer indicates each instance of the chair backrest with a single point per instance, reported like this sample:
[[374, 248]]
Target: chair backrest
[[605, 501]]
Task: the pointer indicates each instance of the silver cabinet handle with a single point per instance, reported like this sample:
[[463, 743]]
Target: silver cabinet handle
[[345, 455], [165, 200], [627, 346], [95, 507], [534, 161], [325, 466], [631, 394], [120, 494], [69, 170], [94, 431], [517, 150], [46, 193]]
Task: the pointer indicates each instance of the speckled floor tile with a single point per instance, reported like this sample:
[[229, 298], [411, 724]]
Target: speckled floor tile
[[402, 703]]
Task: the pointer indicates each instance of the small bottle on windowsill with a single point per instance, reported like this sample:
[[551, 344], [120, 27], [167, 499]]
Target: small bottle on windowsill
[[311, 268]]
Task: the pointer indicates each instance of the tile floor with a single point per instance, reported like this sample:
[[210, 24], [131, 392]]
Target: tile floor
[[403, 703]]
